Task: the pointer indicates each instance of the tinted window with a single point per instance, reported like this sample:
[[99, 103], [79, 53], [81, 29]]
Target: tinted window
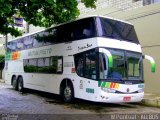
[[118, 71], [64, 33], [28, 43], [90, 65], [76, 30], [37, 39], [86, 64], [20, 45], [118, 30], [84, 28], [11, 46], [127, 65], [43, 65], [80, 29], [134, 63], [47, 37]]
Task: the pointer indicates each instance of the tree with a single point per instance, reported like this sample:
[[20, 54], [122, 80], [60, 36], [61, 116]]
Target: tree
[[2, 57], [43, 13]]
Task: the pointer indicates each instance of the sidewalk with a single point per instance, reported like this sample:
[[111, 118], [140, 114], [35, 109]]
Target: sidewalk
[[152, 100]]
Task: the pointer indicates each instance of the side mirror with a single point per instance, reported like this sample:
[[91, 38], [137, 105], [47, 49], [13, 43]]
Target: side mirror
[[152, 61], [110, 58]]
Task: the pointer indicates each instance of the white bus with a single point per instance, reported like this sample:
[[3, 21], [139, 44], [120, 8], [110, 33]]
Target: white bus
[[95, 58]]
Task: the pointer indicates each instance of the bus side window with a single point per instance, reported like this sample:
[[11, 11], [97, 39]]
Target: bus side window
[[85, 64], [79, 63], [86, 33], [80, 67], [59, 64], [84, 29], [56, 64], [90, 65], [53, 64]]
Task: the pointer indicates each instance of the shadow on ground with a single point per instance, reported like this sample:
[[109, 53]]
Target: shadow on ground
[[78, 103]]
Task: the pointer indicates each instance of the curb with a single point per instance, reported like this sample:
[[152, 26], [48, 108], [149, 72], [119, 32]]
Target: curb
[[151, 102]]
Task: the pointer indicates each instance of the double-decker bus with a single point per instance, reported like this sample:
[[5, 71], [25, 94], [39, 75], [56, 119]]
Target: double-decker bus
[[95, 58]]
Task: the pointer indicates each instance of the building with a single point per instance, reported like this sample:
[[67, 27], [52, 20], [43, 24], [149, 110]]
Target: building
[[105, 7]]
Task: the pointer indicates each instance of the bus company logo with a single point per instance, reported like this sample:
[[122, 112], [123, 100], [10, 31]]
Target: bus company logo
[[127, 90], [40, 52], [84, 47]]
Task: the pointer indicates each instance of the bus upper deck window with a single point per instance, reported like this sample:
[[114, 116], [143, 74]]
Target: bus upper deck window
[[86, 33]]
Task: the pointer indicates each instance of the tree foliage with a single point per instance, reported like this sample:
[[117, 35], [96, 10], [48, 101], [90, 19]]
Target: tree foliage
[[42, 13]]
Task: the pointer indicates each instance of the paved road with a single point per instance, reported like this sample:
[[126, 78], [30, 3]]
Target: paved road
[[33, 103]]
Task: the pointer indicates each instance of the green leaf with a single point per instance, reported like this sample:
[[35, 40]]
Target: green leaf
[[42, 13], [50, 1]]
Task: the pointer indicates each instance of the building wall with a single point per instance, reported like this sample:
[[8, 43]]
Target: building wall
[[2, 50], [113, 5]]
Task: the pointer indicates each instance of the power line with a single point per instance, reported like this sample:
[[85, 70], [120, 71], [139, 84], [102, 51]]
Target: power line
[[143, 16], [150, 46]]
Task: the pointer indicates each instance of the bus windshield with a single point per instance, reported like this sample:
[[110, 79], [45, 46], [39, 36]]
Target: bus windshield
[[118, 30], [126, 65]]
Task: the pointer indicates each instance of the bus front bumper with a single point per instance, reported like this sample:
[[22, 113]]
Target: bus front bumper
[[120, 98]]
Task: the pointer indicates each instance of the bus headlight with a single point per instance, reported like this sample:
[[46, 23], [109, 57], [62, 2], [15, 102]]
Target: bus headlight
[[108, 90]]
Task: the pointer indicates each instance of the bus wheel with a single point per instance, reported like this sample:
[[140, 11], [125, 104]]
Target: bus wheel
[[14, 83], [68, 93], [20, 84]]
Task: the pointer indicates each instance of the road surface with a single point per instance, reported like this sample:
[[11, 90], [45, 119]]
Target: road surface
[[39, 105]]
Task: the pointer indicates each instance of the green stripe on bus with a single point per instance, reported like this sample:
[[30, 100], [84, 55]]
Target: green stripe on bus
[[153, 66], [110, 61]]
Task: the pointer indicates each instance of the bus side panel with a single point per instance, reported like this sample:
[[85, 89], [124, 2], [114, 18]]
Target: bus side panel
[[12, 68]]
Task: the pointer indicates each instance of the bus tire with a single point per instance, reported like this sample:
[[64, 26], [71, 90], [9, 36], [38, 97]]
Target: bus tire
[[14, 83], [20, 84], [67, 92]]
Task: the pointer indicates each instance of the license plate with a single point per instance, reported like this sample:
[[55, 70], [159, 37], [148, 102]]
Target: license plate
[[127, 99]]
